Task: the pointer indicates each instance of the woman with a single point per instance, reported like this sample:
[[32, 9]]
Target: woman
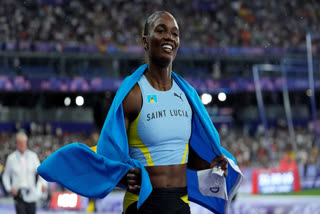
[[159, 130], [155, 129]]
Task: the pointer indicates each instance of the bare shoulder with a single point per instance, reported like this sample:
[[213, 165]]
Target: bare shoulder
[[132, 103]]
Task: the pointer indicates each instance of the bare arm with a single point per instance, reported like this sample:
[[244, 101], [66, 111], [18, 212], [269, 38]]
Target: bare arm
[[131, 108], [132, 104]]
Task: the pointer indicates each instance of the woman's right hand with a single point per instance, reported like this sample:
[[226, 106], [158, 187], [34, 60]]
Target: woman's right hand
[[133, 180]]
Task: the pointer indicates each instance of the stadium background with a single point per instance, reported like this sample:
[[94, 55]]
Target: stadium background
[[61, 62]]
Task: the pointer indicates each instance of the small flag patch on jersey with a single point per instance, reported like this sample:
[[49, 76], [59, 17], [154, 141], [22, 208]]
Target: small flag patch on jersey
[[152, 98]]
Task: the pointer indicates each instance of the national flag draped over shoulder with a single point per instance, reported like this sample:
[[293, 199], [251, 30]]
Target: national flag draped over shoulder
[[95, 175]]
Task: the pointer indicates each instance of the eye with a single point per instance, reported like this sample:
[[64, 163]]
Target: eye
[[160, 30], [175, 34]]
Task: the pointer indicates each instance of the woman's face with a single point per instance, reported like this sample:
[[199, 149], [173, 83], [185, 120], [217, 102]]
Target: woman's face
[[163, 41]]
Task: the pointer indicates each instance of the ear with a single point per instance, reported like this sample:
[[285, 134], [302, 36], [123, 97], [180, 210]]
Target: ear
[[145, 42]]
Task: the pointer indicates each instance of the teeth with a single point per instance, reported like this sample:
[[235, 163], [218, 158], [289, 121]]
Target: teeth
[[168, 46]]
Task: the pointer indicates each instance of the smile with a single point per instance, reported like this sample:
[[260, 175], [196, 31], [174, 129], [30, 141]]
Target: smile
[[168, 48]]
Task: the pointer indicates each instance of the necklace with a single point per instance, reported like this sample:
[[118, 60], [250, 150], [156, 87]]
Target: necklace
[[166, 85]]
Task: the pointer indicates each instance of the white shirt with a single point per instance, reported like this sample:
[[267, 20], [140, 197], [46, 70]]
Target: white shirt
[[20, 173]]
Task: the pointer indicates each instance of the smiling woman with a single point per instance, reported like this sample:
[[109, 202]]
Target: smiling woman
[[161, 38], [163, 155], [156, 135], [158, 119]]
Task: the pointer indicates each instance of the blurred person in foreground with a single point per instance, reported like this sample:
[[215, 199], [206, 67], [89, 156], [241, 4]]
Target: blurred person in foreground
[[20, 177], [158, 140]]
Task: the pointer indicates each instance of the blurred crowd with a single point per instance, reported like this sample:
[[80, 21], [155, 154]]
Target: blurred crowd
[[266, 151], [203, 23], [250, 150], [43, 140]]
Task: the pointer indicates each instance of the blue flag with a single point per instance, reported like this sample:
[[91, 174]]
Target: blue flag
[[93, 175]]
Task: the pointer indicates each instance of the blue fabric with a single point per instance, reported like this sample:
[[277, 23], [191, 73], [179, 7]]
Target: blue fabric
[[95, 175], [77, 167]]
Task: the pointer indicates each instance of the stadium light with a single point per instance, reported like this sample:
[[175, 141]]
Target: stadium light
[[206, 98], [308, 92], [67, 101], [222, 96], [79, 101]]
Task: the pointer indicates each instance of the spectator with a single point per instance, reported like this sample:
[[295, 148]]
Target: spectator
[[20, 177], [220, 23]]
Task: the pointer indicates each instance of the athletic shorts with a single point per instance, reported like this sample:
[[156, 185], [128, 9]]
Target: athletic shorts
[[160, 201]]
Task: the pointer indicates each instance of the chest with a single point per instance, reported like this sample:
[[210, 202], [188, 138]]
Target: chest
[[22, 165], [165, 116]]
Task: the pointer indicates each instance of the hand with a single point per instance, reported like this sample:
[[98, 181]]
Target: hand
[[43, 188], [14, 192], [133, 179], [222, 163]]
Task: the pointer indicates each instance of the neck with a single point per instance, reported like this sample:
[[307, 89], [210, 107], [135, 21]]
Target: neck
[[159, 77]]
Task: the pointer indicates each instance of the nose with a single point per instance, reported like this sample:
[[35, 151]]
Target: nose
[[168, 36]]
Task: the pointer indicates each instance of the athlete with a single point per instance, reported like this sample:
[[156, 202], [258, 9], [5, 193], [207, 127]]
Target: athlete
[[155, 130], [158, 121]]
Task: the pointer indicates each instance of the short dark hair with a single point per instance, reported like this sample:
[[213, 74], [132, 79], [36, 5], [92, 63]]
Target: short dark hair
[[151, 19]]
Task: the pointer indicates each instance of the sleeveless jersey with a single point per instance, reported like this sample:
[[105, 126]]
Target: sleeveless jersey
[[160, 134]]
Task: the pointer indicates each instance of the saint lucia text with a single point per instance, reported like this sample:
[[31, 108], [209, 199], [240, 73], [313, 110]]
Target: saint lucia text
[[165, 113]]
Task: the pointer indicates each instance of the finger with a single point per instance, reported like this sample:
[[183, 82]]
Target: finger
[[134, 188], [217, 161], [223, 164], [214, 161], [135, 171], [224, 168], [133, 182], [132, 176], [220, 158], [225, 173]]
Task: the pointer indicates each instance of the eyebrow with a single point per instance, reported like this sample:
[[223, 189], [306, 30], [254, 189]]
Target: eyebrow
[[165, 26]]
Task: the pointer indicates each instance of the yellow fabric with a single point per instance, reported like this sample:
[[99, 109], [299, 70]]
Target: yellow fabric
[[185, 154], [129, 198], [135, 141], [185, 199], [91, 207], [94, 148]]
